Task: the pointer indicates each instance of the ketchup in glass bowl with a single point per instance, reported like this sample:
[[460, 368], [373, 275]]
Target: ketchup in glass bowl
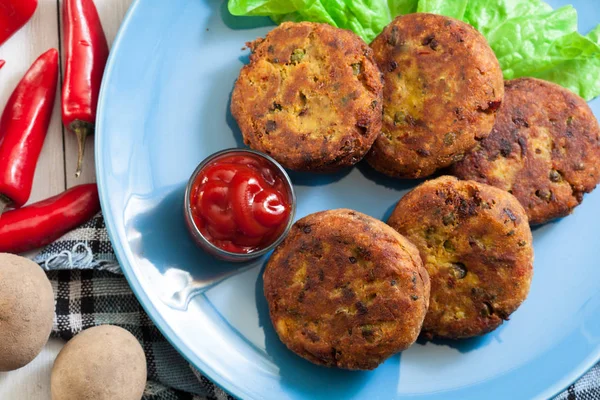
[[239, 204]]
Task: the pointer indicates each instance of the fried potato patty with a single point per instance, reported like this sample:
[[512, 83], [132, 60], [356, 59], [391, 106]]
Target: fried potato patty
[[544, 149], [311, 97], [443, 85], [476, 244], [346, 290]]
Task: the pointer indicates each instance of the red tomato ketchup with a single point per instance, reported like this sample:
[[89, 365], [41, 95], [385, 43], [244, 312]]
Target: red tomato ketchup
[[240, 202]]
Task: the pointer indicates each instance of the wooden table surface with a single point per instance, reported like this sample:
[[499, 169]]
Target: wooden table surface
[[56, 167]]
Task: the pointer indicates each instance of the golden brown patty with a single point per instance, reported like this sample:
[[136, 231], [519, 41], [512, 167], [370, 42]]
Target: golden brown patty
[[475, 242], [311, 97], [443, 85], [346, 290], [544, 149]]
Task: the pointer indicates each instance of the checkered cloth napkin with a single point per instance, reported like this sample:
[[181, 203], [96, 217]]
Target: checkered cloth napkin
[[90, 290]]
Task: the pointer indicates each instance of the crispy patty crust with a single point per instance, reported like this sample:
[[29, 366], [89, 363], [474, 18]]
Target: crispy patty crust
[[346, 290], [476, 244], [544, 149], [443, 85], [311, 97]]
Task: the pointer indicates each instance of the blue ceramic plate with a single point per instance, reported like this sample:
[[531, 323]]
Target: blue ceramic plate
[[164, 108]]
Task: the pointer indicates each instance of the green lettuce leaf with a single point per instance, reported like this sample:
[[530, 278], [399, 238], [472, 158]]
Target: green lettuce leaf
[[594, 35], [401, 7], [261, 7], [579, 73], [531, 39], [528, 36], [366, 18], [450, 8]]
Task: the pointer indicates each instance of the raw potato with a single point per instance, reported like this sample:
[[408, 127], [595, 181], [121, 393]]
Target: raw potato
[[26, 311], [101, 363]]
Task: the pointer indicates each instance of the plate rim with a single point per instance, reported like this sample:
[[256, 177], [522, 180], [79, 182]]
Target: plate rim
[[120, 253]]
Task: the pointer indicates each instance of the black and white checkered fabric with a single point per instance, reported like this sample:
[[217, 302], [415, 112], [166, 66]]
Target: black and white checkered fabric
[[90, 291], [587, 388]]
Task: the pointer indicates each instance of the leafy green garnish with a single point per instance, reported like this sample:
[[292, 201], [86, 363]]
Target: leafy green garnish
[[531, 39], [261, 7], [594, 35], [366, 18], [450, 8], [528, 36]]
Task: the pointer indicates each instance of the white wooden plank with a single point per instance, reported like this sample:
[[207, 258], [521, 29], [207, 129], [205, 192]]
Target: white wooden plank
[[31, 382], [39, 35], [111, 13]]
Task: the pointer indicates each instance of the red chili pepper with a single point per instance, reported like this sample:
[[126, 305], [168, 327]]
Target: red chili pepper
[[23, 128], [87, 52], [39, 224], [13, 15], [2, 62]]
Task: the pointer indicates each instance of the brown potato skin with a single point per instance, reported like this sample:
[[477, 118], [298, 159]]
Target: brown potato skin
[[346, 290], [101, 363], [26, 311], [464, 224], [443, 85], [313, 113], [544, 148]]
